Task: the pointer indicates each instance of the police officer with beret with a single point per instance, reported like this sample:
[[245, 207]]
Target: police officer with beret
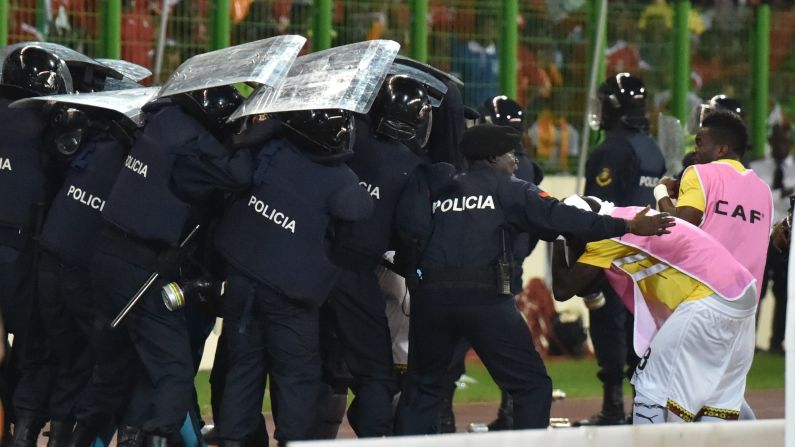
[[465, 289], [171, 181], [502, 111], [275, 241], [624, 170], [29, 176]]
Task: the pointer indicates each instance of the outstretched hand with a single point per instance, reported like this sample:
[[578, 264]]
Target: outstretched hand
[[644, 225]]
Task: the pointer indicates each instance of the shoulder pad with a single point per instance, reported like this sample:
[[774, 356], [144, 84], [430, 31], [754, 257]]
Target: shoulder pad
[[440, 177], [156, 105]]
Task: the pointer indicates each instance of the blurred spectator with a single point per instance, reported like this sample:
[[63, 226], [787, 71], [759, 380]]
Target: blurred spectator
[[138, 33], [782, 31], [258, 20], [778, 170], [662, 99], [188, 27], [476, 61], [659, 9], [553, 139], [624, 57], [535, 79]]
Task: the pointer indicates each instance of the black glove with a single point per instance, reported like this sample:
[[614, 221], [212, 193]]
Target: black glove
[[169, 262]]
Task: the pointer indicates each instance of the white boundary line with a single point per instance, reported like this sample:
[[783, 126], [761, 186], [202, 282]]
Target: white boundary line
[[761, 433]]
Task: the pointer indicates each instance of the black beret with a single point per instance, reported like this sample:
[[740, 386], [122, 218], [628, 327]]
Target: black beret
[[490, 140]]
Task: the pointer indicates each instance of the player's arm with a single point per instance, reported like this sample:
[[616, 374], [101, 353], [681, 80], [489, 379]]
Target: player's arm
[[690, 205], [569, 280]]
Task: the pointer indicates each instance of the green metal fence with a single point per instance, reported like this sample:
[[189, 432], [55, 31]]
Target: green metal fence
[[552, 82], [535, 50], [260, 19]]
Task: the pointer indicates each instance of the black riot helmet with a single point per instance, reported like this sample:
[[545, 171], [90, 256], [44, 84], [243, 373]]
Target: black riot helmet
[[502, 111], [325, 134], [718, 103], [402, 111], [725, 103], [212, 106], [31, 70], [620, 99]]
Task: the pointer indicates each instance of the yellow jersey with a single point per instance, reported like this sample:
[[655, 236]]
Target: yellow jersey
[[691, 193], [664, 283]]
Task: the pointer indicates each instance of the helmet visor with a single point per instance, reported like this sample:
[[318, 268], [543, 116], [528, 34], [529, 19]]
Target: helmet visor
[[595, 113], [696, 117]]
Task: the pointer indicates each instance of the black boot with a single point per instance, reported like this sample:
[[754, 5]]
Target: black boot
[[446, 416], [504, 419], [26, 434], [83, 435], [210, 434], [173, 440], [612, 409], [130, 437], [60, 433]]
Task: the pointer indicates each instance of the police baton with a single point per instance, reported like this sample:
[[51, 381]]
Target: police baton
[[146, 285]]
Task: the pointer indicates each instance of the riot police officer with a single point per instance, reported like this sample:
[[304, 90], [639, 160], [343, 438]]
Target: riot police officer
[[465, 289], [449, 124], [95, 148], [623, 169], [274, 239], [28, 178], [173, 178], [387, 169]]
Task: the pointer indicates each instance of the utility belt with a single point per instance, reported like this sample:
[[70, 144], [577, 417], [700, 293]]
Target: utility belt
[[140, 252], [463, 278], [498, 278], [354, 260]]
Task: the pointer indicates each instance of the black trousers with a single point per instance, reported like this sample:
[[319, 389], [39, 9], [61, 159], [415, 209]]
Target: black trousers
[[776, 271], [268, 334], [611, 334], [66, 305], [151, 337], [357, 308], [493, 326], [28, 372]]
